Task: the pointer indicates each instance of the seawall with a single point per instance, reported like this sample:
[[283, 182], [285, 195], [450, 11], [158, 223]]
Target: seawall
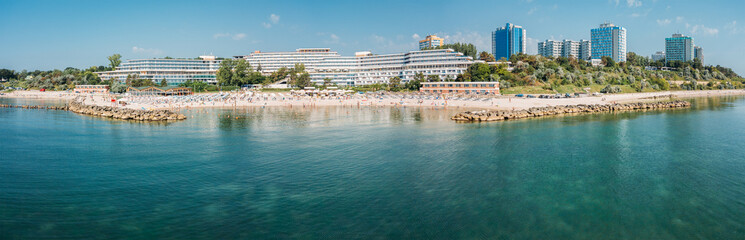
[[108, 112], [490, 116]]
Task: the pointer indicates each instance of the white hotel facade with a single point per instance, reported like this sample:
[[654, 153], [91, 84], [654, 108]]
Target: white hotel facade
[[364, 68], [175, 71]]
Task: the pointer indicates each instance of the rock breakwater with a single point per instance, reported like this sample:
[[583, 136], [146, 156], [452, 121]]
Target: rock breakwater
[[108, 112], [124, 113], [64, 108], [490, 116]]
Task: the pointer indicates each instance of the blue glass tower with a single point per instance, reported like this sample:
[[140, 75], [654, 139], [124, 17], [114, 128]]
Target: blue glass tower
[[608, 40], [508, 40]]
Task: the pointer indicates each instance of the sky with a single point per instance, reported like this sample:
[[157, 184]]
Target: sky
[[48, 35]]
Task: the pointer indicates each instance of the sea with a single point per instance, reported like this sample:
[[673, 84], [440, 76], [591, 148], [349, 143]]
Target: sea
[[373, 173]]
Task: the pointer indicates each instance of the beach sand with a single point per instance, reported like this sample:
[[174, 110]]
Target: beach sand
[[258, 99]]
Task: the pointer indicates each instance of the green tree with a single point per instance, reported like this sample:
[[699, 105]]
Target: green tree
[[163, 82], [394, 83], [115, 60], [225, 72], [241, 72], [465, 48], [303, 80], [433, 78], [327, 82], [479, 72], [196, 86], [487, 57], [608, 61]]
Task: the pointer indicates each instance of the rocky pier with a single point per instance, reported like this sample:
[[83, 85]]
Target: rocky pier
[[124, 113], [491, 116], [108, 112]]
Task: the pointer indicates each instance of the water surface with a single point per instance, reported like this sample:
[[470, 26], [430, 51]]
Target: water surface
[[381, 173]]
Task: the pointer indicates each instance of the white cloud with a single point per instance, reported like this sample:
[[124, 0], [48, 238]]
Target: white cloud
[[237, 36], [732, 27], [378, 39], [701, 29], [679, 19], [221, 35], [274, 18], [481, 42], [416, 36], [532, 10], [148, 51], [634, 3], [663, 22], [332, 38]]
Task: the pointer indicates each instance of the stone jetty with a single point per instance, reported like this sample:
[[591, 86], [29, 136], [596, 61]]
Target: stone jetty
[[490, 116], [123, 113], [108, 112]]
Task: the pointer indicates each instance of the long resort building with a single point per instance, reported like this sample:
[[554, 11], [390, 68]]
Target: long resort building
[[174, 71], [460, 87], [364, 68]]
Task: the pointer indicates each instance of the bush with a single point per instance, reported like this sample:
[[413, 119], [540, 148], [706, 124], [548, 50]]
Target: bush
[[611, 89], [505, 85]]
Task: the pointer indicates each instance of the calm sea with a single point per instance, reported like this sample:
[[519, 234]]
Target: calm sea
[[374, 173]]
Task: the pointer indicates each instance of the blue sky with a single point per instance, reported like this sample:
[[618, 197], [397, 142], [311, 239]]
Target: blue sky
[[57, 34]]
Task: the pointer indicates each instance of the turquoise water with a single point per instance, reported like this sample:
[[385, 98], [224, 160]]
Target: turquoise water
[[374, 173]]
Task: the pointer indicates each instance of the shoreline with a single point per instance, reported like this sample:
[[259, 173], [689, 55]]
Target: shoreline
[[393, 99]]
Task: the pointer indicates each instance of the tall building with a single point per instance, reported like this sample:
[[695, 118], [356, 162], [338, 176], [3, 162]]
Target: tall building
[[508, 40], [658, 56], [679, 48], [698, 53], [585, 49], [608, 40], [566, 48], [364, 68], [430, 42], [550, 48], [570, 49], [174, 71]]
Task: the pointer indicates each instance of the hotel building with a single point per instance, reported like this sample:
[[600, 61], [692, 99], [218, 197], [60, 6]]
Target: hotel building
[[566, 48], [608, 40], [174, 71], [585, 49], [658, 56], [430, 42], [698, 53], [508, 40], [364, 68], [679, 48], [460, 87], [550, 48]]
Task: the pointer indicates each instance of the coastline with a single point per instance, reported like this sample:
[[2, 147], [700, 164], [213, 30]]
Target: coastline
[[390, 99]]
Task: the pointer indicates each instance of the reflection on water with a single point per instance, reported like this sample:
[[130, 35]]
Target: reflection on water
[[375, 172]]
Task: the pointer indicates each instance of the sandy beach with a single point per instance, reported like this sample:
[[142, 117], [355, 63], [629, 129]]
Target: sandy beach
[[260, 99]]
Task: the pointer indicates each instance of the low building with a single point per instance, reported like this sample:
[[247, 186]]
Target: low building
[[364, 68], [160, 91], [460, 87], [174, 70], [91, 89]]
